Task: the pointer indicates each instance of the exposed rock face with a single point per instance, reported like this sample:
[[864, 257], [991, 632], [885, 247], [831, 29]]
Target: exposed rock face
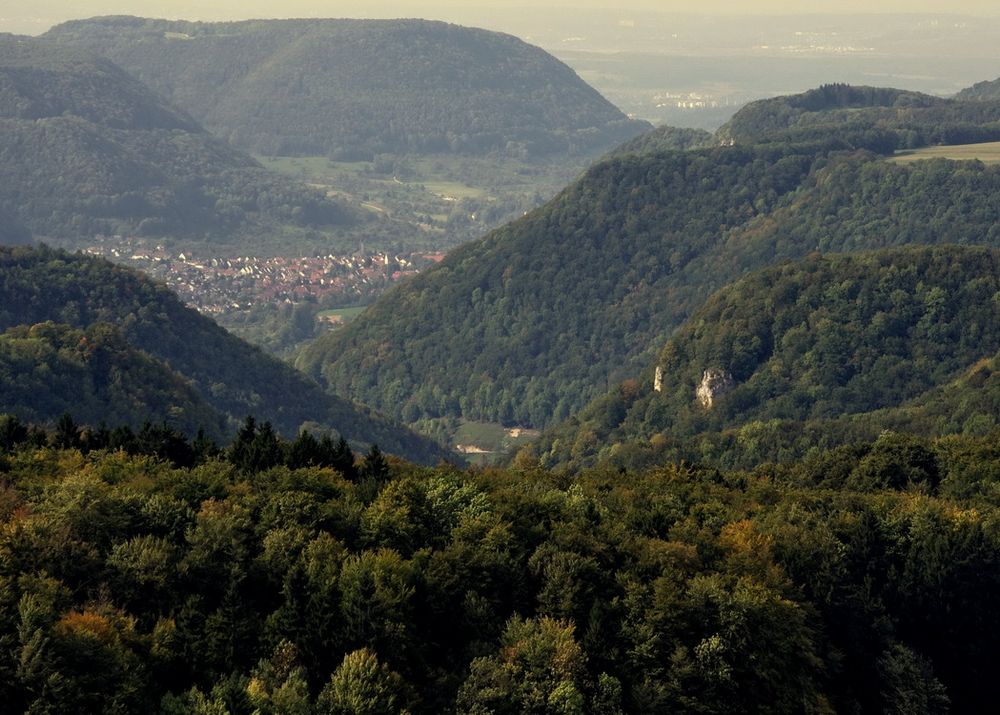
[[714, 383], [658, 380]]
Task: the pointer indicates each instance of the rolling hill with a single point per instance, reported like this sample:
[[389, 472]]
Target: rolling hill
[[86, 149], [39, 285], [808, 354], [355, 88], [529, 324]]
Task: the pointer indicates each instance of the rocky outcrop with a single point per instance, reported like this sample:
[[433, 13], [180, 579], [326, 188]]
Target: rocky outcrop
[[658, 380], [714, 384]]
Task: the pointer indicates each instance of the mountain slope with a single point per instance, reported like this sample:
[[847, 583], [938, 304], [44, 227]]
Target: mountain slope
[[530, 323], [849, 344], [352, 88], [95, 375], [86, 149], [530, 320], [38, 285]]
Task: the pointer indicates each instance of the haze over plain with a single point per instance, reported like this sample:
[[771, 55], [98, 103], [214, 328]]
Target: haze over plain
[[666, 62]]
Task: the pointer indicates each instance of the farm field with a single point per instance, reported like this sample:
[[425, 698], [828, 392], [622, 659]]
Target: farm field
[[341, 316], [988, 153], [485, 442], [435, 202]]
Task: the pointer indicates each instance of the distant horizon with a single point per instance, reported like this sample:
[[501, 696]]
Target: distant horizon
[[44, 15]]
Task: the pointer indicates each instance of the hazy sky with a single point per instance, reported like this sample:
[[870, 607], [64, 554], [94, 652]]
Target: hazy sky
[[59, 9], [36, 16]]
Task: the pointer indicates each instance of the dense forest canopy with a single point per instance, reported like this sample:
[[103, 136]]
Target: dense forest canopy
[[857, 581], [828, 342], [356, 88], [86, 149], [532, 322], [235, 378]]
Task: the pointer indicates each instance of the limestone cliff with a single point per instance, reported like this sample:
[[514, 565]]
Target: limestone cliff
[[715, 382]]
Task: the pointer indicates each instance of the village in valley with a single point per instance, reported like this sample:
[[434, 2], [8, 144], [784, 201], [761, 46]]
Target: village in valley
[[217, 285]]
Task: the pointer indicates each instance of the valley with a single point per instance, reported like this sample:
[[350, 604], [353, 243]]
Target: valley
[[399, 367], [435, 202]]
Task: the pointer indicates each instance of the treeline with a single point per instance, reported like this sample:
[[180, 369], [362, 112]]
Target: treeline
[[42, 80], [981, 91], [858, 580], [255, 447], [531, 322], [63, 177]]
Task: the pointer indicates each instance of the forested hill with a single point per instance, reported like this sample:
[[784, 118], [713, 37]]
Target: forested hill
[[38, 285], [47, 370], [529, 324], [898, 118], [818, 340], [86, 149], [353, 88], [987, 91]]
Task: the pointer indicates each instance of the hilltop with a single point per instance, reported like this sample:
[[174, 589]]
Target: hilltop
[[890, 118], [356, 88], [235, 378], [86, 149], [838, 347]]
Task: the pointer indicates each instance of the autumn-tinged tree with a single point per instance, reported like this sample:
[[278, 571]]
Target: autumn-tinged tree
[[539, 669], [362, 685]]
